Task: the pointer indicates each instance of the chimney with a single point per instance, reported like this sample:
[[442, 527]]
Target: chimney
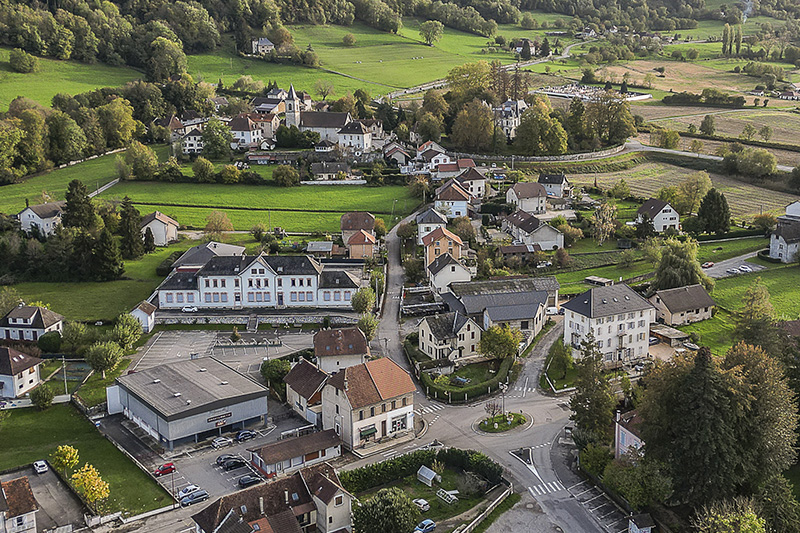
[[286, 496], [261, 505], [618, 415]]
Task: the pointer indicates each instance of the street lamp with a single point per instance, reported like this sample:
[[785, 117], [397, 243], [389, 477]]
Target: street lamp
[[503, 388]]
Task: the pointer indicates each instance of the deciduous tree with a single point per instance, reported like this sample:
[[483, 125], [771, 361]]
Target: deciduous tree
[[593, 402], [500, 342], [368, 323], [603, 222], [431, 31], [363, 301], [389, 511], [42, 397], [103, 356], [217, 139], [286, 176], [217, 223], [89, 483], [691, 191], [473, 127], [64, 459], [203, 170], [678, 266], [707, 126], [127, 331]]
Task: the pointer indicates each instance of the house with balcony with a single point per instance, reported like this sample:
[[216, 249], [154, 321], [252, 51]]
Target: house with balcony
[[454, 336], [373, 401], [619, 319]]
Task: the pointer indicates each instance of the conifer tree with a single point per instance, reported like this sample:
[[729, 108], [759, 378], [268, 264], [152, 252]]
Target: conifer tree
[[132, 245], [78, 212], [107, 261]]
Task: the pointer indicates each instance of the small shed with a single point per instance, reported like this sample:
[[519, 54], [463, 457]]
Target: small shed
[[428, 476], [145, 313], [641, 523], [597, 280], [673, 337]]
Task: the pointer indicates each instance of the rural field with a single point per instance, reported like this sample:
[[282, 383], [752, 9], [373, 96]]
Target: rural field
[[29, 435], [745, 200], [785, 124], [55, 77]]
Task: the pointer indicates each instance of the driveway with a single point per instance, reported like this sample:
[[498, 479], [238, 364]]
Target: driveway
[[58, 506], [719, 270]]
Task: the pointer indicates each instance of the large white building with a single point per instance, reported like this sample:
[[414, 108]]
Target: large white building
[[617, 316], [662, 215], [45, 218], [529, 197], [259, 281], [784, 243]]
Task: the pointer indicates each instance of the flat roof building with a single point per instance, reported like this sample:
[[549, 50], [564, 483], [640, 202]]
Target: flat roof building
[[188, 401]]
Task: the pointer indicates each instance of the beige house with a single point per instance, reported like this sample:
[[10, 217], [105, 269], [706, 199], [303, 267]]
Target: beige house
[[683, 305], [441, 241], [339, 348], [18, 507], [19, 373], [163, 228], [452, 336], [361, 245], [287, 455], [528, 196], [369, 402]]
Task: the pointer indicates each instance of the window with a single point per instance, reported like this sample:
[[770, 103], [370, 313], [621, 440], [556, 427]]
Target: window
[[207, 283], [405, 402], [308, 282], [346, 296], [383, 408], [179, 297], [236, 282], [251, 297], [361, 415], [293, 296], [190, 298], [224, 296], [309, 296], [222, 283], [215, 297], [394, 404], [208, 297], [301, 295], [169, 297], [280, 282], [250, 283], [371, 411], [267, 297], [337, 296], [339, 500], [293, 282], [326, 296], [214, 283]]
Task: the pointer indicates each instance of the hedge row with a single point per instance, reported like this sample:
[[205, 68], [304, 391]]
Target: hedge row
[[165, 267], [464, 394], [764, 254], [377, 474]]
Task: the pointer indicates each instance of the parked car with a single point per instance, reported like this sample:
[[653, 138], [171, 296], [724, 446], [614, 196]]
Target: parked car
[[185, 491], [167, 468], [233, 464], [745, 268], [733, 271], [195, 497], [225, 457], [426, 526], [639, 367], [708, 264], [245, 434], [221, 442], [422, 504], [653, 341], [189, 309], [40, 467], [248, 480], [552, 311]]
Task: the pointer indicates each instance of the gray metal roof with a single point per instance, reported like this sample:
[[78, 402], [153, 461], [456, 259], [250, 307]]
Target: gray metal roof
[[319, 246], [442, 262], [505, 313], [431, 216], [606, 301], [446, 325], [337, 279], [186, 388], [541, 283], [685, 298], [477, 303], [180, 281], [200, 254]]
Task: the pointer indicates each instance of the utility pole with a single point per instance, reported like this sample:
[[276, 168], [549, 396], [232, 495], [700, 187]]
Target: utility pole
[[64, 371]]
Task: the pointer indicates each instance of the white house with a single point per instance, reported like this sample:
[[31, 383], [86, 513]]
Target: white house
[[192, 142], [288, 455], [246, 133], [626, 433], [356, 136], [452, 336], [473, 181], [163, 228], [556, 185], [617, 316], [528, 196], [262, 46], [509, 116], [527, 229], [427, 221], [452, 200], [339, 348], [18, 506], [683, 305], [444, 270], [304, 384], [44, 217], [451, 170], [369, 402], [28, 323], [662, 215], [327, 125], [145, 313], [235, 282], [784, 243], [19, 373]]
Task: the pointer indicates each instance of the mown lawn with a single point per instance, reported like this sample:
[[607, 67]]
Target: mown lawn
[[716, 333], [93, 392], [782, 284], [53, 77], [29, 435]]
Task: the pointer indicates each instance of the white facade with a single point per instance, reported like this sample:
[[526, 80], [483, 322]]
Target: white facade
[[424, 229], [620, 337], [163, 232], [780, 249], [546, 236], [20, 331], [441, 280], [192, 143], [452, 208], [465, 342], [245, 138], [20, 384], [535, 205], [666, 218], [356, 141], [47, 225]]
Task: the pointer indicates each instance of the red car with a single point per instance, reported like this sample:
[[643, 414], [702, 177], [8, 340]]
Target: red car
[[708, 264], [164, 469]]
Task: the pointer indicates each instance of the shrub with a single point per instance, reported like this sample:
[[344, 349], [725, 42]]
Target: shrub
[[50, 342], [165, 267], [21, 61], [42, 397]]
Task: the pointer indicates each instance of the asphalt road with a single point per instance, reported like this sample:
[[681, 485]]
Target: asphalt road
[[719, 270]]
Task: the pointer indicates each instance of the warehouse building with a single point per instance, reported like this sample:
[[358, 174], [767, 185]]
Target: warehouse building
[[188, 401]]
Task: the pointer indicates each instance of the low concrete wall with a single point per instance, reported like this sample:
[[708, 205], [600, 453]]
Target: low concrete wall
[[262, 319], [468, 528], [584, 156]]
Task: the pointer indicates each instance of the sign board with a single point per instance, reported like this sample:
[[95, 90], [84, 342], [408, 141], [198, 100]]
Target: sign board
[[219, 417]]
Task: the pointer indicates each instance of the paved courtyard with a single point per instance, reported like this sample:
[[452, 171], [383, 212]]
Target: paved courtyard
[[58, 506]]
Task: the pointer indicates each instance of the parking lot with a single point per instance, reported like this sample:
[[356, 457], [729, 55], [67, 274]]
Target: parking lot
[[58, 506], [600, 506], [729, 267]]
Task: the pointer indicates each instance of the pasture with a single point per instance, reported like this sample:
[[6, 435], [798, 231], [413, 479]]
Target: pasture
[[744, 199], [785, 124], [55, 76]]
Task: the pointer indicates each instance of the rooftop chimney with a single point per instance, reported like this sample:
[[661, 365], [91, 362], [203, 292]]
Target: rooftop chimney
[[286, 496], [261, 505]]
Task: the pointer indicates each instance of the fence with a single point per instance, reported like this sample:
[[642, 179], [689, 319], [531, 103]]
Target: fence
[[468, 528]]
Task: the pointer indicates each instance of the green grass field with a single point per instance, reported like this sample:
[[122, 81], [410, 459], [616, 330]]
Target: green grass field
[[29, 435], [93, 392], [55, 77]]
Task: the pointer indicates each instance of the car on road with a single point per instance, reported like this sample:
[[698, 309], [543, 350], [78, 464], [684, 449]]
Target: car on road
[[245, 434], [40, 467], [221, 442], [225, 457], [166, 468], [708, 264], [733, 271], [422, 504], [745, 268], [426, 526], [248, 481], [188, 309], [185, 491], [233, 464], [195, 497]]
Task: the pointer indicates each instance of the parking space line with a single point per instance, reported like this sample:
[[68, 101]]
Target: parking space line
[[584, 492], [577, 485], [590, 499], [609, 514]]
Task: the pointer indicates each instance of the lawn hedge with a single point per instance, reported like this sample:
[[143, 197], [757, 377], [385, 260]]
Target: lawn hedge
[[377, 474], [464, 394]]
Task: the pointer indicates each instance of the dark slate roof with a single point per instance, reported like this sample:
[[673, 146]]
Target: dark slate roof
[[529, 189], [788, 230], [452, 302], [477, 303], [318, 119], [16, 498], [505, 313], [442, 262], [285, 449], [630, 421], [186, 388], [200, 254], [337, 279], [324, 167], [446, 325], [12, 362], [429, 154], [242, 123], [356, 220], [500, 286], [431, 216], [452, 192], [180, 281], [652, 207], [643, 521], [685, 298], [354, 128], [470, 174], [39, 317], [340, 341], [48, 210], [305, 379], [293, 264], [605, 301], [227, 265], [552, 179], [520, 249], [524, 221]]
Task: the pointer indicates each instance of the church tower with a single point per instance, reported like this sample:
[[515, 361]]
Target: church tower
[[292, 108]]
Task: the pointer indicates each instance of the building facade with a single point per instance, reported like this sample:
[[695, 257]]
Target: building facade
[[19, 373], [441, 241], [44, 218], [662, 215], [683, 305], [529, 197], [525, 228], [452, 336], [18, 506], [29, 323], [339, 348], [163, 228], [427, 221]]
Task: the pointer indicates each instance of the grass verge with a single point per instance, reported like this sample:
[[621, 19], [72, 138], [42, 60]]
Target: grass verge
[[507, 504]]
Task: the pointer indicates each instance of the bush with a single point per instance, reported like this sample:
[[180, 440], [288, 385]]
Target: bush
[[42, 397], [474, 390], [165, 267], [21, 61], [50, 342]]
